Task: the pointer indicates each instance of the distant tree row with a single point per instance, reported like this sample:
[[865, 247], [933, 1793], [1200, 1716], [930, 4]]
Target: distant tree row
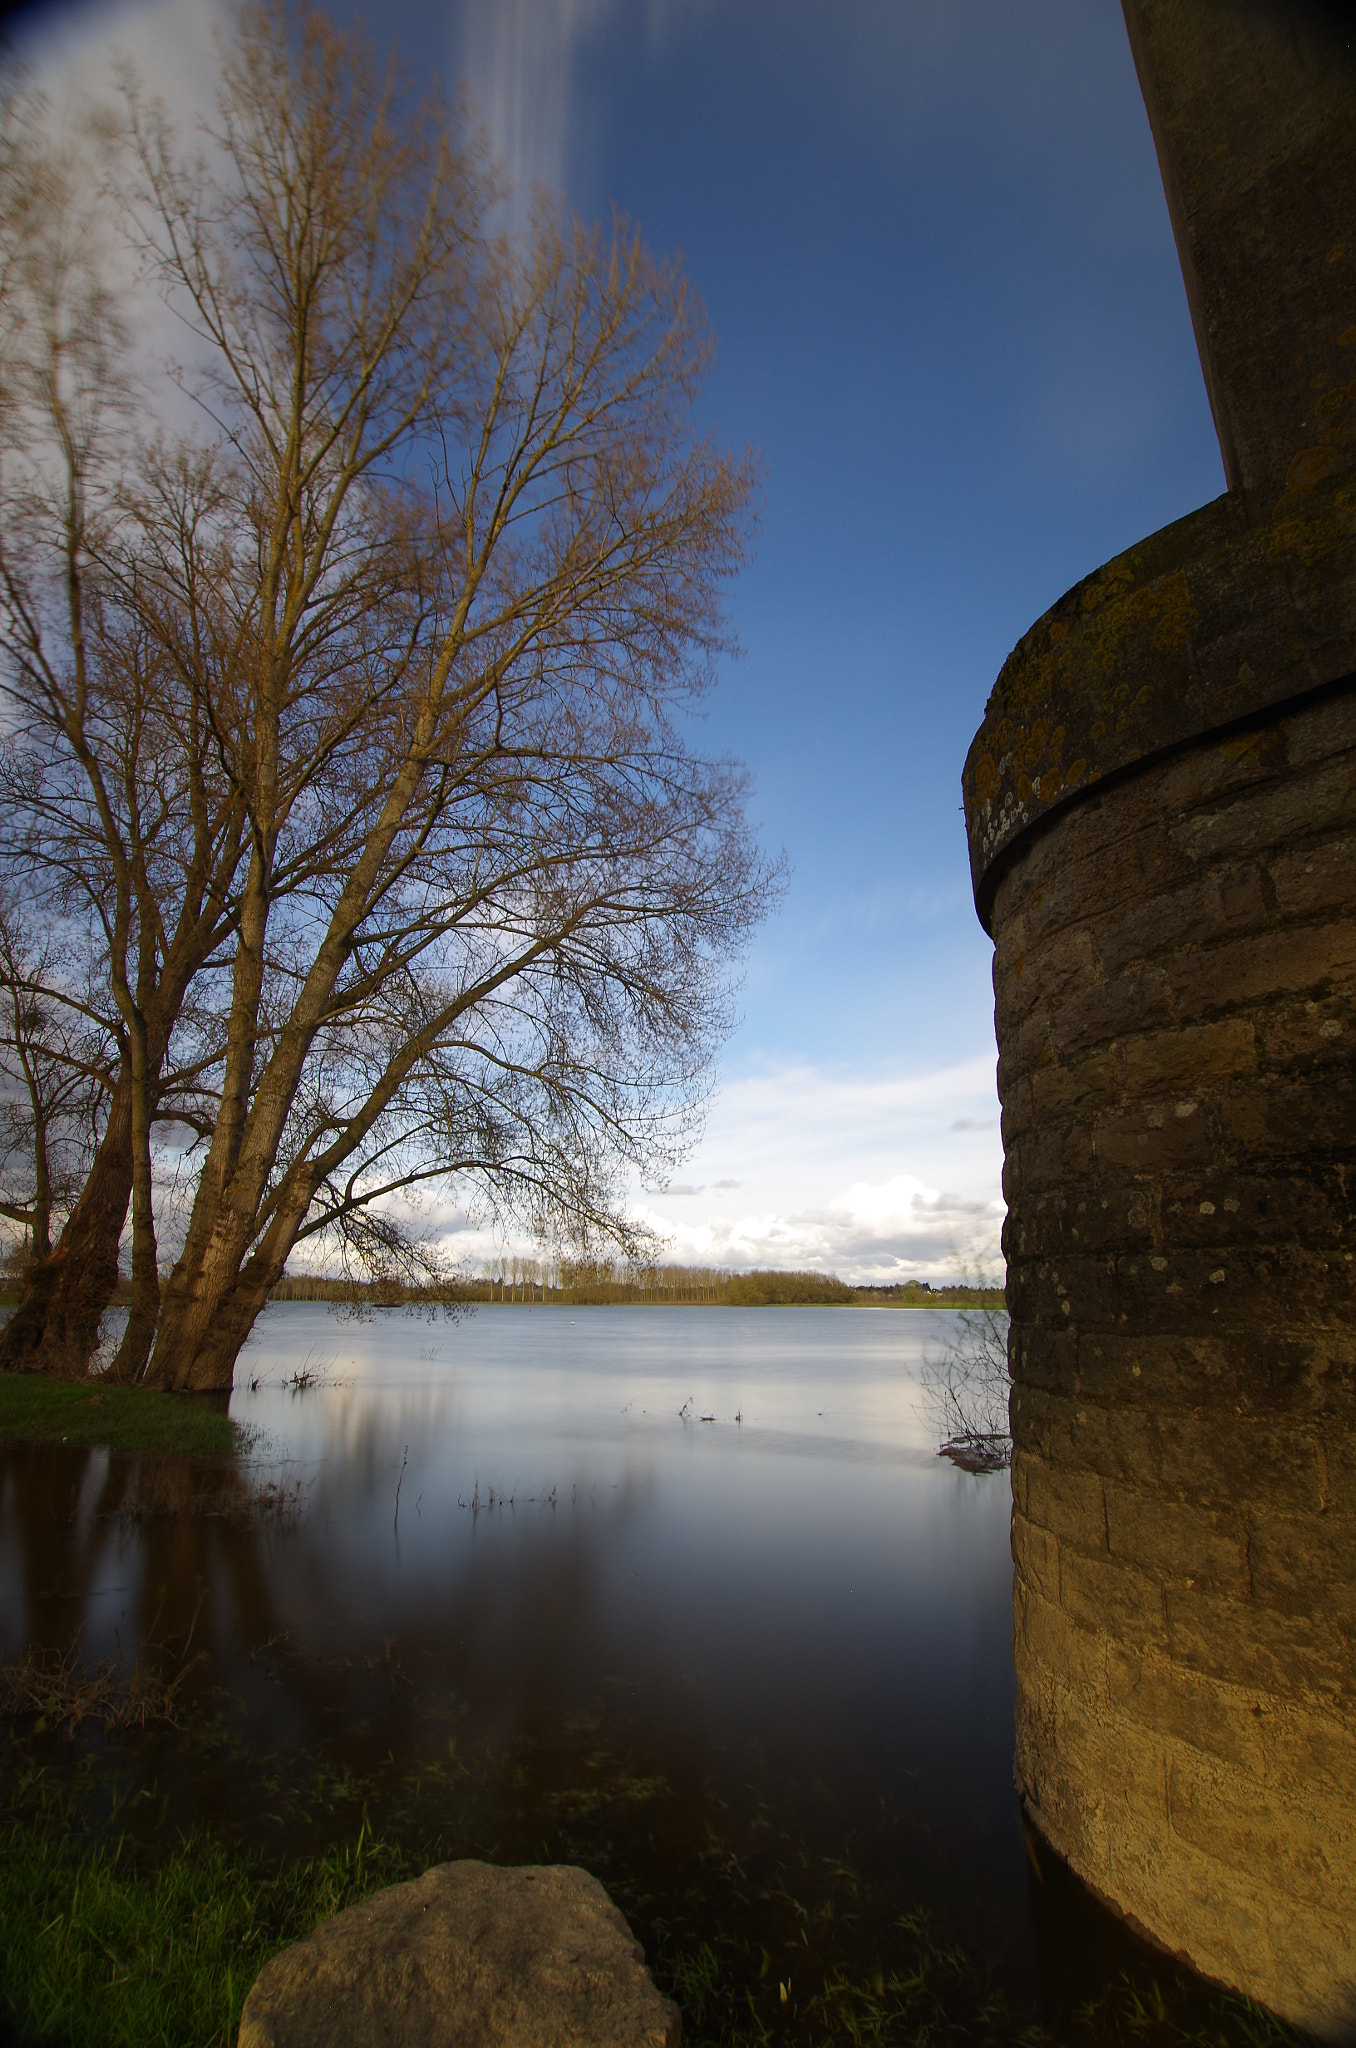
[[599, 1281]]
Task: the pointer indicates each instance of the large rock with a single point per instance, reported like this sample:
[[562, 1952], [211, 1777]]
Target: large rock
[[466, 1956]]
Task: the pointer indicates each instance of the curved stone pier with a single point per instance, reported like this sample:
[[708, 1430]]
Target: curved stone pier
[[1162, 814]]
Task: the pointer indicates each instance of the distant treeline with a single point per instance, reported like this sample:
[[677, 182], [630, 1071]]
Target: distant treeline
[[921, 1294], [581, 1282]]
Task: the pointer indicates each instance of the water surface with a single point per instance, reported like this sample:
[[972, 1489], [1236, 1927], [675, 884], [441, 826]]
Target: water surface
[[684, 1594]]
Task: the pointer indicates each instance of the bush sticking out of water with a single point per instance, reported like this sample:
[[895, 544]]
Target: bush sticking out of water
[[54, 1690], [93, 1417], [967, 1389]]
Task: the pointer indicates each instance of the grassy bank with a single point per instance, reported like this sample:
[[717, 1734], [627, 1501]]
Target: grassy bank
[[133, 1419]]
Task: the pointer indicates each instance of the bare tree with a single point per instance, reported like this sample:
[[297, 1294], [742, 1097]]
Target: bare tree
[[410, 633], [116, 816], [56, 1061]]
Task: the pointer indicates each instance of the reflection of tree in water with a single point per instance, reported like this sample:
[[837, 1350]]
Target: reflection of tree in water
[[121, 1566], [176, 1567], [495, 1712]]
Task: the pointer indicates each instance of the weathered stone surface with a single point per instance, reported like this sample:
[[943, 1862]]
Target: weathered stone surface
[[1184, 1528], [1161, 805], [466, 1956]]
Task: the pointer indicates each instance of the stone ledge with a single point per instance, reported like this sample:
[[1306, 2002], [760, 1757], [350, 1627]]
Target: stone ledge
[[1205, 625]]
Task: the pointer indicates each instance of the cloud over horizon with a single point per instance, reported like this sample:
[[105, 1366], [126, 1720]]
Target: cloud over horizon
[[877, 1231], [874, 1177]]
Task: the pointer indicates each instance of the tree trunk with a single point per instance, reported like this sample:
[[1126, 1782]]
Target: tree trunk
[[56, 1326], [211, 1327], [212, 1366], [135, 1349], [211, 1300]]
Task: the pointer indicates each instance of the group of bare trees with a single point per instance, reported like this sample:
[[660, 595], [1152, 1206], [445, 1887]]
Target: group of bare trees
[[351, 841]]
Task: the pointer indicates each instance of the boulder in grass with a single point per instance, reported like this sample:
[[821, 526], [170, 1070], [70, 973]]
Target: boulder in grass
[[466, 1956]]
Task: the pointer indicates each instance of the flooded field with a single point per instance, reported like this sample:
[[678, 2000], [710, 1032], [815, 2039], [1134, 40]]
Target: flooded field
[[684, 1595]]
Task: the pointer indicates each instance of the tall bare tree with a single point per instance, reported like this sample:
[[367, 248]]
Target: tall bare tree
[[451, 575], [116, 817]]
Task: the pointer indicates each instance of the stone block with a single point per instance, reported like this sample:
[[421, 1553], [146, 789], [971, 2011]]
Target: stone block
[[1319, 737], [1074, 1432], [1052, 965], [1163, 1369], [1309, 1752], [1304, 1564], [1174, 1539], [1086, 1282], [1153, 1137], [1075, 1091], [1337, 1447], [1296, 959], [1251, 1646], [1314, 1036], [1035, 1554], [1048, 1640], [1052, 1155], [1118, 1008], [1190, 1059], [1093, 1780], [1314, 1964], [1067, 1502], [1301, 1120], [1201, 1911], [1148, 930], [1045, 1359], [466, 1956], [1309, 880], [1241, 1459], [1287, 1848], [1099, 1593], [1177, 1705]]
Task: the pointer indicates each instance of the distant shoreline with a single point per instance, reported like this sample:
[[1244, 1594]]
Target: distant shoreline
[[674, 1287]]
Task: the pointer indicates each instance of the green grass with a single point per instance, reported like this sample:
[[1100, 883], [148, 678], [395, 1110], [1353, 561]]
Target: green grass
[[84, 1414], [98, 1949]]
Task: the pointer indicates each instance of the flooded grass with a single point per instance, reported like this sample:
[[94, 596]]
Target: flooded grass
[[116, 1926], [133, 1419], [53, 1689], [107, 1947]]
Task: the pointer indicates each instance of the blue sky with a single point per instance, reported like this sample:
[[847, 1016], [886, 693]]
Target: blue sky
[[934, 247]]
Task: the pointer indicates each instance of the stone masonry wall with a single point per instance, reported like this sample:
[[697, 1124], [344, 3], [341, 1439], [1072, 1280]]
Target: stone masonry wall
[[1174, 979]]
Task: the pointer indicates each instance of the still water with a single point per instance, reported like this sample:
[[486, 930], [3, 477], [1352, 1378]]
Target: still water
[[683, 1594]]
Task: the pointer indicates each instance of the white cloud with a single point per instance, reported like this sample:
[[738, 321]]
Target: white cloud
[[877, 1177], [518, 59], [170, 44], [874, 1230], [880, 1176]]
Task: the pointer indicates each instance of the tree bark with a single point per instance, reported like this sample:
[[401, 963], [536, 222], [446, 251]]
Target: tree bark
[[135, 1348], [55, 1328], [206, 1320]]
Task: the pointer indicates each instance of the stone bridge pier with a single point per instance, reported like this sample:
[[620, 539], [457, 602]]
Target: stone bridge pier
[[1161, 805]]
